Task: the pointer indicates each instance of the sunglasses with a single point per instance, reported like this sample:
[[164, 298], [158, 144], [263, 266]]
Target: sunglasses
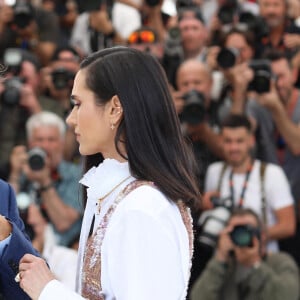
[[140, 37]]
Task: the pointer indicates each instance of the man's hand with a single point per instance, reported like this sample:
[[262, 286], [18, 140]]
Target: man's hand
[[29, 99], [34, 275], [225, 245], [5, 228], [206, 199], [291, 40], [240, 76], [43, 176], [270, 100], [248, 256]]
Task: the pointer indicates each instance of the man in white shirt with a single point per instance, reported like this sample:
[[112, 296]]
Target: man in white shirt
[[240, 179]]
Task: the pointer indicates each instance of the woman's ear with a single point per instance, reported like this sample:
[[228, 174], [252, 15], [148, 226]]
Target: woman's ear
[[116, 111]]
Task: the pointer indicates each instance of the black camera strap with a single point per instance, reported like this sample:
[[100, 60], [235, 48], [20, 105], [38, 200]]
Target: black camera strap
[[262, 172], [244, 188], [263, 166]]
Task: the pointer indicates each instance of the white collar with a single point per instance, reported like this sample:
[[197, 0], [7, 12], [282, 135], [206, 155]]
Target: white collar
[[103, 178]]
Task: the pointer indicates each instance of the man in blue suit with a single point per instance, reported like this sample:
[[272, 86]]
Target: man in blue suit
[[13, 244]]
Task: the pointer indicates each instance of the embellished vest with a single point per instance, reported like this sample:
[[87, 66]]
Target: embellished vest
[[91, 272]]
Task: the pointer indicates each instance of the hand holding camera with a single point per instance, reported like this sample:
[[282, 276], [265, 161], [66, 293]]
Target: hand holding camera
[[271, 100], [225, 245], [240, 76], [241, 239]]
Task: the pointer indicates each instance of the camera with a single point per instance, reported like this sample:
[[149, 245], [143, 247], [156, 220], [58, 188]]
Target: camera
[[261, 83], [227, 11], [212, 222], [227, 57], [194, 108], [23, 14], [36, 158], [242, 235], [11, 94], [62, 78]]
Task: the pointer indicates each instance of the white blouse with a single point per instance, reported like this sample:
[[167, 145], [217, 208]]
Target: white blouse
[[145, 251]]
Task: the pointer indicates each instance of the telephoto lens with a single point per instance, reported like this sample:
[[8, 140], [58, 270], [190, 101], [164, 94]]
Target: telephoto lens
[[36, 158]]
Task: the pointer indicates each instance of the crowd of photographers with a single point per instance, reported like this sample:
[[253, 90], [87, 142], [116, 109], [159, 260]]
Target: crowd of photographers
[[234, 72]]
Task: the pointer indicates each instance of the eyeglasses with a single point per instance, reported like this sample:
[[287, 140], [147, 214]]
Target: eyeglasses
[[140, 37]]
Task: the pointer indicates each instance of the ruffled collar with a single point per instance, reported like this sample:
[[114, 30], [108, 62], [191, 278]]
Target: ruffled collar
[[103, 178]]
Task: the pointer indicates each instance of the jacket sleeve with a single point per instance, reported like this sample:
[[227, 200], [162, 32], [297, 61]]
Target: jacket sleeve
[[210, 284], [19, 245], [276, 279]]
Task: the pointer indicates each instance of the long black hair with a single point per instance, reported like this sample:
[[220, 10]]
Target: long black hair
[[150, 129]]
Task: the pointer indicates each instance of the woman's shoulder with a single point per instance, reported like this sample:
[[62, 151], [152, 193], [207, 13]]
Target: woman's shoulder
[[146, 198]]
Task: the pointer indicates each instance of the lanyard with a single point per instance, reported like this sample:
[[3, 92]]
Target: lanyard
[[241, 199]]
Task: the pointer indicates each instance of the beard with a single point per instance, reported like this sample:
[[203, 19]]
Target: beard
[[237, 160], [274, 21]]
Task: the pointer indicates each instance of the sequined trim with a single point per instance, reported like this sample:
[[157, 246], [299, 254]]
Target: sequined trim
[[91, 273]]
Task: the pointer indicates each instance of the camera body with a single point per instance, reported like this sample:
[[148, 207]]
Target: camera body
[[12, 91], [261, 83], [36, 158], [212, 222], [62, 78], [194, 108], [242, 235]]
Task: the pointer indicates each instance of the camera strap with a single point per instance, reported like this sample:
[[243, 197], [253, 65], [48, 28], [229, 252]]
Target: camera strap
[[244, 187], [263, 166]]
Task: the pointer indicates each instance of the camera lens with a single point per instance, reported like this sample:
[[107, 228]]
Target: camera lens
[[242, 236], [36, 158], [227, 57]]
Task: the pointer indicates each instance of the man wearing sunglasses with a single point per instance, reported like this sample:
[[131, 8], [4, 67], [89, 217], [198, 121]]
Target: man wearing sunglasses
[[146, 39]]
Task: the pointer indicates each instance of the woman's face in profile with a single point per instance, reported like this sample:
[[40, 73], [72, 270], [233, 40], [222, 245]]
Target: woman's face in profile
[[91, 122]]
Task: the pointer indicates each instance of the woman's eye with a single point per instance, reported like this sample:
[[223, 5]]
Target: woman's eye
[[74, 103]]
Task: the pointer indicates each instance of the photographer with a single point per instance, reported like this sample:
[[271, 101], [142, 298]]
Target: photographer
[[249, 183], [284, 32], [200, 118], [33, 29], [185, 40], [279, 117], [242, 268], [20, 98], [57, 81], [49, 181], [93, 29]]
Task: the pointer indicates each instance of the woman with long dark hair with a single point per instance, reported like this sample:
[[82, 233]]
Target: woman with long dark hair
[[136, 238]]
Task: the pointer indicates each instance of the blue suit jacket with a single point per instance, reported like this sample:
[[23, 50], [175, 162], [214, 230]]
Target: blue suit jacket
[[18, 246]]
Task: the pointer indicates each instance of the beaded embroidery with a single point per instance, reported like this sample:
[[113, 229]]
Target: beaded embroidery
[[91, 273]]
